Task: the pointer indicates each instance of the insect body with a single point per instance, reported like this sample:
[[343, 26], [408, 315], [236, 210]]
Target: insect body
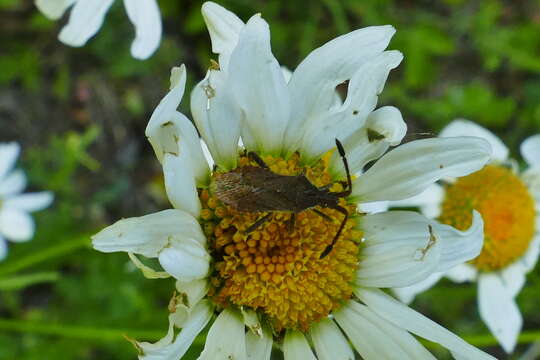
[[258, 189]]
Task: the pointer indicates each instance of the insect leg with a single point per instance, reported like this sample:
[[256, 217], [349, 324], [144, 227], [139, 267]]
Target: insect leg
[[291, 222], [321, 214], [258, 223], [347, 171], [255, 157], [336, 237]]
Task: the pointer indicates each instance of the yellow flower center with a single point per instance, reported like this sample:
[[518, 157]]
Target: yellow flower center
[[276, 269], [506, 207]]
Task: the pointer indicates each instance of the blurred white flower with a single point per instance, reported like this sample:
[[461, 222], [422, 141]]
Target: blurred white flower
[[271, 279], [87, 17], [16, 224], [509, 202]]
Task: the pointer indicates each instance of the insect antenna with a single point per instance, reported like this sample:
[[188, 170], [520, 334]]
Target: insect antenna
[[336, 237], [347, 171]]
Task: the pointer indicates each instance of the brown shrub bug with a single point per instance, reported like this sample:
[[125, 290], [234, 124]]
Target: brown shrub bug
[[258, 189]]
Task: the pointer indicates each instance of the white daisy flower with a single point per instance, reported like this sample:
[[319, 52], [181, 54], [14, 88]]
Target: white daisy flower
[[509, 202], [86, 18], [250, 235], [16, 224]]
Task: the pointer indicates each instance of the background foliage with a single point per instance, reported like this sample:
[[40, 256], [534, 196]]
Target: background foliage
[[80, 115]]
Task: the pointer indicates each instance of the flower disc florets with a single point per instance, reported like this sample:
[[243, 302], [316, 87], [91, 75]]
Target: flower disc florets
[[506, 207], [276, 269]]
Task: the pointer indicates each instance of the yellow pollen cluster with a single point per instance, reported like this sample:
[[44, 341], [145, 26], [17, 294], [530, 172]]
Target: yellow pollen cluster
[[276, 269], [506, 207]]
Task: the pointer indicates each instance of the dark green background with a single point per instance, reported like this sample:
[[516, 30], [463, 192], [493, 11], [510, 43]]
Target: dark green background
[[80, 115]]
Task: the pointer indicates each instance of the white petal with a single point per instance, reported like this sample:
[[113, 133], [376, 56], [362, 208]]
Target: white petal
[[295, 346], [411, 168], [531, 177], [188, 137], [499, 310], [224, 28], [361, 147], [53, 9], [259, 347], [530, 258], [180, 182], [207, 154], [428, 201], [145, 16], [170, 132], [8, 155], [362, 95], [162, 139], [192, 291], [251, 320], [408, 293], [375, 338], [30, 202], [12, 184], [16, 225], [460, 246], [329, 342], [399, 249], [287, 75], [85, 19], [530, 150], [402, 316], [226, 338], [259, 87], [314, 81], [148, 235], [166, 348], [374, 207], [3, 248], [462, 273], [462, 127], [218, 117], [185, 259], [513, 277]]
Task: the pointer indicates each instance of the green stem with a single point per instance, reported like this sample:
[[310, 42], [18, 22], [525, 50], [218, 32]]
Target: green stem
[[24, 262], [525, 337], [107, 334], [82, 332], [21, 281]]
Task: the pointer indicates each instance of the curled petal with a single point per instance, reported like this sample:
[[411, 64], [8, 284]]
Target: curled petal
[[224, 28], [171, 347], [85, 19], [148, 235], [185, 259], [145, 16]]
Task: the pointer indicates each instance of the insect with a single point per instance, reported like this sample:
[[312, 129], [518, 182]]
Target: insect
[[258, 189]]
